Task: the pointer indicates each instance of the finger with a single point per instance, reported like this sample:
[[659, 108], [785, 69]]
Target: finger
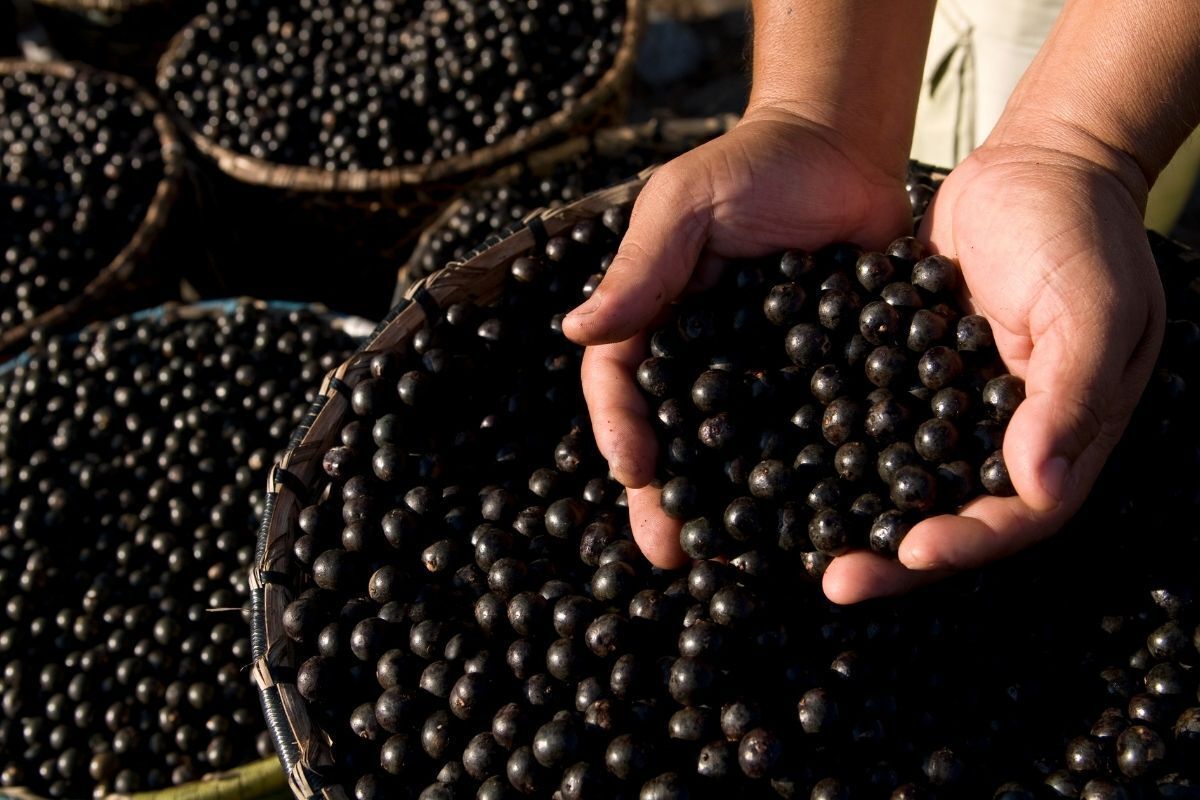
[[655, 533], [667, 230], [1073, 413], [863, 575], [618, 410], [984, 530]]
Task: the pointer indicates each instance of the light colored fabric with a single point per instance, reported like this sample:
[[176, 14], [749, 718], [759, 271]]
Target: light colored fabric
[[978, 50]]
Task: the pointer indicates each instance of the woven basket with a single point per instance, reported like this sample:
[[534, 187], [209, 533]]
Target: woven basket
[[117, 286], [301, 745], [278, 228], [386, 181], [663, 139], [127, 36], [298, 480], [260, 779]]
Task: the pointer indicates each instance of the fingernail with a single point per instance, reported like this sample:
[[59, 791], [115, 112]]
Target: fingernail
[[1054, 475]]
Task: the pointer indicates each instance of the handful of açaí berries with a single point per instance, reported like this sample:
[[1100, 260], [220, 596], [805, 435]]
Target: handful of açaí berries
[[826, 401]]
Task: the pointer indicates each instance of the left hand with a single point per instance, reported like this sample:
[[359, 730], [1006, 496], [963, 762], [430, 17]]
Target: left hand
[[1053, 253]]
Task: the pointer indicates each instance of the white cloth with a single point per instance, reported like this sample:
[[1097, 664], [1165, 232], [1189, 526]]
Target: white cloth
[[978, 50]]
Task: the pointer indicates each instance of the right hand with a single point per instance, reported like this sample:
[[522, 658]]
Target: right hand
[[775, 182]]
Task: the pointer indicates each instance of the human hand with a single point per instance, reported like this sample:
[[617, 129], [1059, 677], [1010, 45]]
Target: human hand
[[775, 182], [1054, 255]]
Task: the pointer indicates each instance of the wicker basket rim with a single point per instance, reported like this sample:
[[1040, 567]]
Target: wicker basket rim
[[153, 221], [609, 141], [301, 744], [249, 169]]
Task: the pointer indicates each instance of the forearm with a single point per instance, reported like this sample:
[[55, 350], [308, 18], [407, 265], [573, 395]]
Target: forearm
[[852, 66], [1117, 82]]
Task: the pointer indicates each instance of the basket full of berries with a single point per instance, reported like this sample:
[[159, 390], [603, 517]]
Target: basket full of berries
[[133, 454], [91, 173], [447, 599], [339, 129], [351, 121]]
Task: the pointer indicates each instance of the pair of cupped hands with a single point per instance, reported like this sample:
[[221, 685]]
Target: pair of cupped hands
[[1053, 253]]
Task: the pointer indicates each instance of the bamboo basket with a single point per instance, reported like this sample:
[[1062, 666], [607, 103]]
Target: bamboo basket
[[260, 779], [302, 746], [279, 227], [117, 286], [663, 139], [297, 480], [127, 36], [314, 180]]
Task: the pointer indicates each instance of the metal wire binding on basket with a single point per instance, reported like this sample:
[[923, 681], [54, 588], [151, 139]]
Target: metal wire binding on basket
[[302, 746], [310, 179], [665, 138], [104, 292]]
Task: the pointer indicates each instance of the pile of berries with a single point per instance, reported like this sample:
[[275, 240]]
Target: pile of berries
[[818, 403], [80, 161], [373, 85], [474, 619], [132, 464]]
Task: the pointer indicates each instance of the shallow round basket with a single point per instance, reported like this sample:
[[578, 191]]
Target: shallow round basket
[[128, 36], [260, 779], [116, 288], [258, 172], [301, 745], [661, 139], [277, 228], [298, 479]]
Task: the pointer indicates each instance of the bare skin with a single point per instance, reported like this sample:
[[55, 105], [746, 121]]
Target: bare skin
[[1045, 219]]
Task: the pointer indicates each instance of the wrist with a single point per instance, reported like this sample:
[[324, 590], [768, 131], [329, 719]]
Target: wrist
[[1114, 84], [1056, 140], [850, 67], [879, 160]]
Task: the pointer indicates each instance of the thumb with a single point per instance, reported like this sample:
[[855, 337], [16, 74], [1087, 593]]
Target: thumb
[[667, 230], [1080, 371]]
